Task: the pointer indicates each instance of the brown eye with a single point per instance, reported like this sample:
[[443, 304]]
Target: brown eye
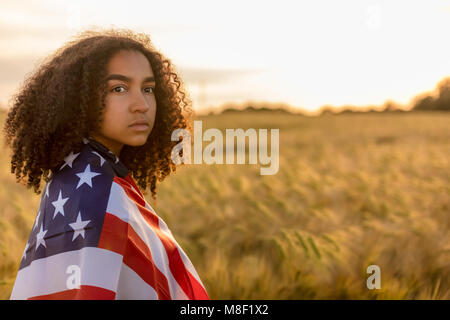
[[114, 89], [152, 91]]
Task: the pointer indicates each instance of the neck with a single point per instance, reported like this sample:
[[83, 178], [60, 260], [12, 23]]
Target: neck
[[114, 146]]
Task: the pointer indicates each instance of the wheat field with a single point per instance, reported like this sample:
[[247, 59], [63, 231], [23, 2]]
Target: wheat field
[[352, 190]]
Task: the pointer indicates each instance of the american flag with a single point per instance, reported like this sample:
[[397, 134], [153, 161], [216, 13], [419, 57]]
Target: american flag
[[96, 237]]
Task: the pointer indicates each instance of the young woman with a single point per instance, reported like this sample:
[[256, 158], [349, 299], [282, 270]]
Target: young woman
[[95, 123]]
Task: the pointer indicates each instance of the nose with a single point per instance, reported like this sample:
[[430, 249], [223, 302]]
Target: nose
[[139, 103]]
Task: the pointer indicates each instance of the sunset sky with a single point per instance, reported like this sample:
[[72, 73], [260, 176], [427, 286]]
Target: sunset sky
[[303, 53]]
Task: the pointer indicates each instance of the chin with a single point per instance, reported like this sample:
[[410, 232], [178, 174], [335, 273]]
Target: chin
[[137, 141]]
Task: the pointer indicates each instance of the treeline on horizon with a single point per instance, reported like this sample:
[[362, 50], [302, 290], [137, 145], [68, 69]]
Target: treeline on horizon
[[436, 100]]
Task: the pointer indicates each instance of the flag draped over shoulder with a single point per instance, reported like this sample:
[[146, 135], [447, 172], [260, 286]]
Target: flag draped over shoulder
[[96, 237]]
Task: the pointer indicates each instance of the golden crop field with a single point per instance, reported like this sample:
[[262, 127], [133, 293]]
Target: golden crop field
[[352, 190]]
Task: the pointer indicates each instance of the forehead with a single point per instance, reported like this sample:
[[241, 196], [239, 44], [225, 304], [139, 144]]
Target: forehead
[[130, 63]]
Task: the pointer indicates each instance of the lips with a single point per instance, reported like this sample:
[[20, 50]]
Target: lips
[[139, 122]]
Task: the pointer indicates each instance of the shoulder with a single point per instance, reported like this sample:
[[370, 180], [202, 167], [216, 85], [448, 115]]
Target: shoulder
[[72, 207], [83, 180], [84, 161]]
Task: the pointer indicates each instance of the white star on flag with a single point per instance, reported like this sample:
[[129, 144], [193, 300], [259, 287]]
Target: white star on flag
[[37, 219], [86, 176], [59, 204], [69, 159], [40, 238], [24, 255], [102, 161], [78, 226]]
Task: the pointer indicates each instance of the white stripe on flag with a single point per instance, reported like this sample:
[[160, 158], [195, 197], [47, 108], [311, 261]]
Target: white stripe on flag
[[131, 286], [98, 267], [126, 210]]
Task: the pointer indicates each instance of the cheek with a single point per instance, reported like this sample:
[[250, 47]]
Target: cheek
[[112, 116], [152, 113], [151, 103]]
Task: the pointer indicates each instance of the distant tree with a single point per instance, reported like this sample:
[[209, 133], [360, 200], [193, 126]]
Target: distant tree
[[438, 101], [443, 100], [346, 110], [229, 110], [390, 106], [425, 103], [250, 108], [327, 109]]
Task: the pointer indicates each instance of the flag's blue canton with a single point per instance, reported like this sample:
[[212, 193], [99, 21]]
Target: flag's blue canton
[[73, 203]]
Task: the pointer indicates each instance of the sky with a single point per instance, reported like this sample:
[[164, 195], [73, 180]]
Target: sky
[[303, 53]]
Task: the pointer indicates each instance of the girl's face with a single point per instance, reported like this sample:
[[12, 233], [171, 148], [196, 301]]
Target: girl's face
[[130, 98]]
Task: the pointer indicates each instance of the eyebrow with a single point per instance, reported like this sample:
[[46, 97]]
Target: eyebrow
[[127, 79]]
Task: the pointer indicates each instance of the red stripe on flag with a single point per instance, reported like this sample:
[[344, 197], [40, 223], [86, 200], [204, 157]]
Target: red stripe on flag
[[130, 180], [83, 293], [191, 287], [119, 236]]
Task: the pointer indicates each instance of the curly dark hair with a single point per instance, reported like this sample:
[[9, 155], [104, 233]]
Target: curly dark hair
[[63, 101]]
